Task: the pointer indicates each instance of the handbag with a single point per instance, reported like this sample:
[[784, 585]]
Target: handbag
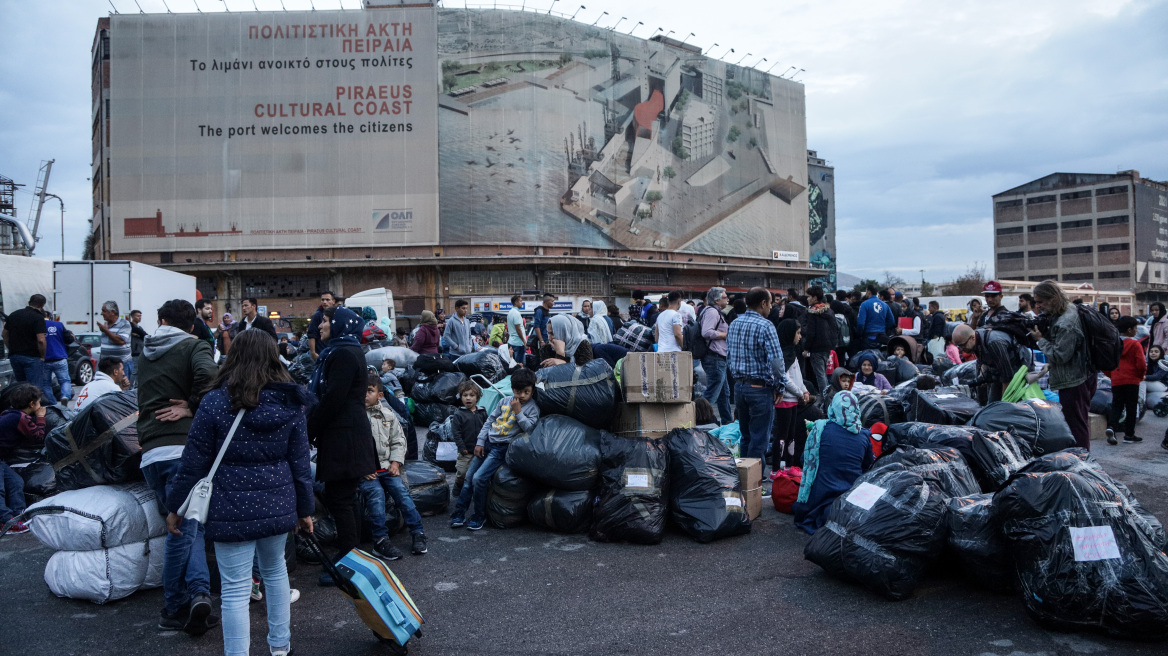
[[198, 503]]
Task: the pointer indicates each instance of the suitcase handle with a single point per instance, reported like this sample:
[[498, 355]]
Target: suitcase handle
[[344, 584], [392, 606]]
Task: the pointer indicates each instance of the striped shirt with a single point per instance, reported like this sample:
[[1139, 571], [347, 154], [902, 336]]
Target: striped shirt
[[753, 351]]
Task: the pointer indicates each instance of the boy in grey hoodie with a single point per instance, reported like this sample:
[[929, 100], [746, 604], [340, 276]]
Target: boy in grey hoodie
[[515, 415]]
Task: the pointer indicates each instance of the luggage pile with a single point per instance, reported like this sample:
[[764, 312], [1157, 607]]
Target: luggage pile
[[99, 446]]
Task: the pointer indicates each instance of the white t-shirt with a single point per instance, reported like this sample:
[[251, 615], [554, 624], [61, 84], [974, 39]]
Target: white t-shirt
[[101, 384], [666, 340], [515, 327]]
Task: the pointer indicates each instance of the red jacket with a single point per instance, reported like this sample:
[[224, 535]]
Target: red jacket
[[1133, 364]]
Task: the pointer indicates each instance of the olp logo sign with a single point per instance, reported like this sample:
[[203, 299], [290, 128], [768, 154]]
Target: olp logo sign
[[399, 220]]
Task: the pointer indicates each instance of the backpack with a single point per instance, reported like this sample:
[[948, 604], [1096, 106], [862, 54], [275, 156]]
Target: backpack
[[1010, 322], [692, 335], [1104, 345], [845, 332], [635, 337]]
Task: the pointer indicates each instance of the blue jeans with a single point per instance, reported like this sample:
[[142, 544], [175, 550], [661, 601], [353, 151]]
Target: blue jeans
[[717, 387], [184, 565], [128, 368], [60, 369], [756, 413], [374, 492], [496, 456], [467, 494], [28, 369], [11, 493], [235, 562]]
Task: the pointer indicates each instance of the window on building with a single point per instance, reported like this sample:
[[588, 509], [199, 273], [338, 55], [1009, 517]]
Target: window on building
[[1044, 252], [1111, 275], [1078, 277], [1110, 248], [1010, 256], [1122, 189], [1111, 220], [1043, 227], [291, 286], [465, 283], [1009, 231], [1072, 195], [1040, 199], [1003, 204], [1070, 225], [1077, 250]]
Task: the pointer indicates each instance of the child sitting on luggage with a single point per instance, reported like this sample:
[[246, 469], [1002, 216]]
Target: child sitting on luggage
[[898, 352], [515, 414], [389, 479], [467, 422], [389, 379], [22, 428]]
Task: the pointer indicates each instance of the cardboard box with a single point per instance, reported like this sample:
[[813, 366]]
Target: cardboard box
[[653, 419], [750, 478], [658, 377], [1097, 425]]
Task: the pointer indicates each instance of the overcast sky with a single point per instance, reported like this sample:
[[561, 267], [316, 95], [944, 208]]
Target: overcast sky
[[925, 108]]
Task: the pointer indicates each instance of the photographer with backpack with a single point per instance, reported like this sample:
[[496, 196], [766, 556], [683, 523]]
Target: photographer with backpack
[[1076, 348]]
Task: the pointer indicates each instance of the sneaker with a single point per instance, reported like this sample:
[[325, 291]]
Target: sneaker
[[18, 527], [201, 620], [1132, 439], [419, 546], [1111, 437], [293, 595], [475, 524], [387, 550], [176, 622], [282, 651], [257, 592], [457, 522]]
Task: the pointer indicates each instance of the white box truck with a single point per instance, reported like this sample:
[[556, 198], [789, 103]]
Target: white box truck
[[81, 287], [380, 299]]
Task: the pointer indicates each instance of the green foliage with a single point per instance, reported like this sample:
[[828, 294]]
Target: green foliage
[[593, 54], [734, 90], [862, 286], [682, 99], [669, 173], [928, 289], [451, 66], [753, 142], [491, 67], [565, 58], [653, 196], [679, 150], [449, 81], [734, 134], [299, 324]]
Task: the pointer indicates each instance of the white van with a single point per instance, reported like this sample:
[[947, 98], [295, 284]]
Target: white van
[[380, 299]]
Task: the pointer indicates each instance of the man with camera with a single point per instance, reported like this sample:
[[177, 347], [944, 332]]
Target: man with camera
[[999, 356]]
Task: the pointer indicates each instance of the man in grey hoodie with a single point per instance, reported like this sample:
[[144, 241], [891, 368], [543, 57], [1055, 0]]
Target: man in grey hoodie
[[175, 369]]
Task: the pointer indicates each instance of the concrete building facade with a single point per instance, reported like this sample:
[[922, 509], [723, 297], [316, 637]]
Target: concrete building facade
[[1109, 231]]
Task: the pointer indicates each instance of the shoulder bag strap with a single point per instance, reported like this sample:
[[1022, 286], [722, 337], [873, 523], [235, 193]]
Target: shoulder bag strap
[[223, 449]]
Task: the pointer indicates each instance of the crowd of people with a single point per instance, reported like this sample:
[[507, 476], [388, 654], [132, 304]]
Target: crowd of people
[[771, 363]]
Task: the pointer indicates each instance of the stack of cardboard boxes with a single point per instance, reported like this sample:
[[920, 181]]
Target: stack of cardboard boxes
[[658, 391]]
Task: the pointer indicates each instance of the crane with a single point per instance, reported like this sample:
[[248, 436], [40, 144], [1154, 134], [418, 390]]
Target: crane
[[41, 184]]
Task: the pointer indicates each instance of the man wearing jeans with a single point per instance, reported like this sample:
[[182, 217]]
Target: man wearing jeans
[[24, 333], [756, 362], [714, 328], [56, 360], [176, 368]]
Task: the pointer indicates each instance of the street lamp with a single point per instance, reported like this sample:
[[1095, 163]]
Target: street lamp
[[759, 62], [598, 18], [553, 5], [726, 53], [796, 74], [772, 66], [660, 29], [787, 71], [639, 23], [687, 38], [577, 11], [622, 19], [711, 48], [743, 58], [62, 221], [668, 33]]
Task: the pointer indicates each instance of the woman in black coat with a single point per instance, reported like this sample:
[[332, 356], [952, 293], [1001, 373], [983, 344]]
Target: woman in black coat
[[338, 425]]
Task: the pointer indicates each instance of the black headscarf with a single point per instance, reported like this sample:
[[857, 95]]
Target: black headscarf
[[787, 329]]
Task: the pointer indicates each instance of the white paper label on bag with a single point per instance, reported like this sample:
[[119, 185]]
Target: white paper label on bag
[[1094, 543], [866, 495], [733, 501], [446, 451], [637, 480], [946, 396]]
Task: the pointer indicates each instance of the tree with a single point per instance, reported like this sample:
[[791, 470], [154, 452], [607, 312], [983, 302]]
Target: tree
[[669, 173], [653, 196], [970, 283], [678, 149], [449, 81], [862, 286], [892, 280], [732, 136], [928, 288], [565, 58]]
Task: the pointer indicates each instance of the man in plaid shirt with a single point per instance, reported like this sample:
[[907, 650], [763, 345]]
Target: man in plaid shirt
[[756, 363]]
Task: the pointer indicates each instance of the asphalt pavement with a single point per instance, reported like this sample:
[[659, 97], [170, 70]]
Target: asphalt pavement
[[527, 591]]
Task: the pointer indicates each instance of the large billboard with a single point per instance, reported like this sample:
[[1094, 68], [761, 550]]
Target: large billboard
[[273, 130], [556, 133], [1150, 215]]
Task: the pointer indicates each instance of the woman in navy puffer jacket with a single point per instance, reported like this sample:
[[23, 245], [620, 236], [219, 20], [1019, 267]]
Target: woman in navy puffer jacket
[[263, 487]]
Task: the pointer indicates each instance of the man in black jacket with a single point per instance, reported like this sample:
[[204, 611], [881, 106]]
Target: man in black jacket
[[999, 356], [934, 330], [252, 319], [820, 335]]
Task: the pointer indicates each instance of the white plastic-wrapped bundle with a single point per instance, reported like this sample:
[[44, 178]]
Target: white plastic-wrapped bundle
[[104, 575], [99, 517]]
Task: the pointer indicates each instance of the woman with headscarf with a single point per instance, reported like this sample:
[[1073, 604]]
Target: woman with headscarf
[[787, 434], [568, 342], [837, 452], [223, 339], [615, 321], [1113, 314], [599, 329], [1159, 325], [338, 426], [428, 337], [868, 375]]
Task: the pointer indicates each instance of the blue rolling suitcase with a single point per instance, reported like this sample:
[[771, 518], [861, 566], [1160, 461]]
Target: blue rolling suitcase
[[377, 595]]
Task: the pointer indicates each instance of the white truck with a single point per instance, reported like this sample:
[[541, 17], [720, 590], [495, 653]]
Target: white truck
[[380, 299], [81, 287], [20, 278]]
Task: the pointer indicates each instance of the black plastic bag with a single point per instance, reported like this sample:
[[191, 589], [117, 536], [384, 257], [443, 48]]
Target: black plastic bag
[[407, 378], [1082, 559], [940, 465], [962, 374], [442, 388], [587, 393], [897, 370], [433, 363], [998, 456], [302, 367], [105, 436], [901, 392], [428, 487], [507, 498], [54, 417], [562, 511], [559, 453], [1079, 461], [428, 413], [883, 533], [922, 435], [40, 482], [879, 408], [941, 365], [975, 538], [439, 432], [486, 363], [943, 405], [633, 494], [705, 496], [1037, 422]]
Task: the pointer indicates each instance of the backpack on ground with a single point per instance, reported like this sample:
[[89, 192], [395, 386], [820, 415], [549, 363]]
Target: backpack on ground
[[692, 336], [1104, 345]]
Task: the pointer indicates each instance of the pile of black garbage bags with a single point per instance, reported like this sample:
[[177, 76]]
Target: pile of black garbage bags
[[1017, 508]]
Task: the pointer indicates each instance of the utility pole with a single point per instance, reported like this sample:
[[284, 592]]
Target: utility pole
[[62, 221], [42, 184]]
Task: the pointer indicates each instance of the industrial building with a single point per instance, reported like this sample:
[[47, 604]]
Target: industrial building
[[647, 166], [1106, 231]]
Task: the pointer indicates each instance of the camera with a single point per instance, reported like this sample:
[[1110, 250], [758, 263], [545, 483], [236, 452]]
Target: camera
[[1041, 322]]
